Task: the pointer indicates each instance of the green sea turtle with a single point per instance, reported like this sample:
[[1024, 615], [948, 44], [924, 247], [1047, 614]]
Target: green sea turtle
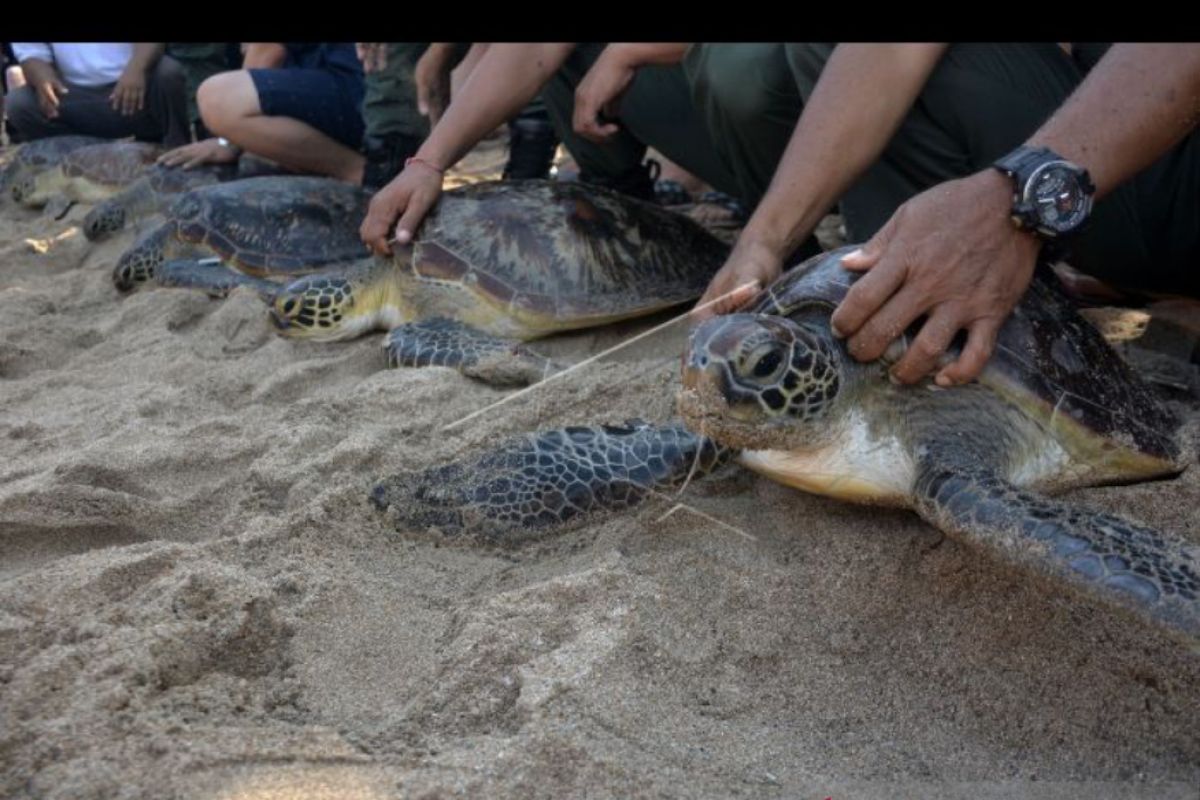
[[1055, 409], [503, 262], [275, 225], [87, 174], [149, 194], [38, 156]]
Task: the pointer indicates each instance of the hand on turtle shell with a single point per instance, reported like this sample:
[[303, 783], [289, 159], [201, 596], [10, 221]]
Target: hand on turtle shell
[[751, 266], [409, 196], [599, 92], [208, 151], [952, 255], [129, 95]]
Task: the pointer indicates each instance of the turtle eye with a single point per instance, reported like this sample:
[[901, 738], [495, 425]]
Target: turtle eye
[[289, 306], [765, 363]]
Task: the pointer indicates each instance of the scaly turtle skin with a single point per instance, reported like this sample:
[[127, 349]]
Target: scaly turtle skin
[[277, 225], [38, 156], [88, 174], [508, 261], [149, 194], [539, 480], [1054, 409]]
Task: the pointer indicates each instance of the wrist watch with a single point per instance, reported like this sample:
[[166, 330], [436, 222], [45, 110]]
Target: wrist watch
[[228, 145], [1052, 198]]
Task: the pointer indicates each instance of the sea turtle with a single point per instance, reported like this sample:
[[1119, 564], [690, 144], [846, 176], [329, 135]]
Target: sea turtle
[[1054, 409], [502, 262], [38, 156], [149, 194], [88, 174], [275, 225]]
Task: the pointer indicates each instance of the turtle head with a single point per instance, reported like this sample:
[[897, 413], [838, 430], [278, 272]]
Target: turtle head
[[333, 306], [23, 187], [106, 218], [138, 264], [750, 379]]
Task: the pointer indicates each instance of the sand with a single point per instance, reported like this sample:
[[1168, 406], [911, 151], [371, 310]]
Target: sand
[[197, 599]]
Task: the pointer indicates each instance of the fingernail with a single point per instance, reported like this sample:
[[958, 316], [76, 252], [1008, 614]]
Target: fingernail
[[856, 253], [836, 331], [943, 381]]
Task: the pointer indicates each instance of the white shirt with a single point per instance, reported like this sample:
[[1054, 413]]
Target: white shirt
[[94, 64]]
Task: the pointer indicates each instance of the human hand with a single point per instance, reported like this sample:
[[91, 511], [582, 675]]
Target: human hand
[[599, 93], [129, 95], [750, 267], [373, 55], [951, 254], [208, 151], [432, 76], [48, 92], [409, 196]]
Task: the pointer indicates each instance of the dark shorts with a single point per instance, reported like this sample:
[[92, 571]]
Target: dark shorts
[[330, 102]]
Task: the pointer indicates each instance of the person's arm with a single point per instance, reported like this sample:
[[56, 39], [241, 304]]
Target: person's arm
[[264, 55], [37, 64], [602, 87], [834, 142], [952, 253], [506, 79], [129, 95]]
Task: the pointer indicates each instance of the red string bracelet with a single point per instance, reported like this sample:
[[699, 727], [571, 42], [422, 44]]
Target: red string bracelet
[[423, 162]]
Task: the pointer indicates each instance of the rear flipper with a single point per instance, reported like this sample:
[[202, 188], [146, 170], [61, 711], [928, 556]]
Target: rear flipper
[[210, 275], [549, 478], [441, 342], [1147, 571]]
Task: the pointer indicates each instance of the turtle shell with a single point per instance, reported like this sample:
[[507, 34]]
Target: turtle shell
[[277, 224], [565, 251], [44, 154], [1047, 358], [110, 163], [175, 180]]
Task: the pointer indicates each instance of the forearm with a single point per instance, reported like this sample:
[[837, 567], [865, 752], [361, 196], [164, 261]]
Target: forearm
[[505, 80], [1135, 105], [38, 72], [638, 54], [145, 54], [836, 140]]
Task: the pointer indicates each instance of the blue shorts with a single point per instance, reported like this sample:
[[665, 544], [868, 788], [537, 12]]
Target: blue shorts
[[329, 101]]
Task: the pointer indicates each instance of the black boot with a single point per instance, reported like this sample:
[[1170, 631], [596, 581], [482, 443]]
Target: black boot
[[531, 145], [636, 182], [385, 157]]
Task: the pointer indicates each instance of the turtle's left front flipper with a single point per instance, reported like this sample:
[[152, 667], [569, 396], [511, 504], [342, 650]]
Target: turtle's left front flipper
[[1149, 572], [548, 478], [211, 276], [442, 342]]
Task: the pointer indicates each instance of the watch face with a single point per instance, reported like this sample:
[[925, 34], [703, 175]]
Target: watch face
[[1057, 196]]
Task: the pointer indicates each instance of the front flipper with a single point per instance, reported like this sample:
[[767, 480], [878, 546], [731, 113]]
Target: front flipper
[[549, 478], [58, 206], [441, 342], [212, 276], [1149, 572]]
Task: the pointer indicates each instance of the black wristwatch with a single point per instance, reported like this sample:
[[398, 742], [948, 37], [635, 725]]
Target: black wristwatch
[[1051, 196]]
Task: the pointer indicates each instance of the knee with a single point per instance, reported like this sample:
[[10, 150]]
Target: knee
[[169, 74], [22, 106], [721, 83], [222, 102]]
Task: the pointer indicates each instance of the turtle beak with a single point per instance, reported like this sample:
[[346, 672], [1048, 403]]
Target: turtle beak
[[279, 321], [705, 362]]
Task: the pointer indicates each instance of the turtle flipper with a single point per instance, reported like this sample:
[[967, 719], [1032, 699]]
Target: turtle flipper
[[548, 478], [212, 276], [1149, 572], [441, 342], [58, 206]]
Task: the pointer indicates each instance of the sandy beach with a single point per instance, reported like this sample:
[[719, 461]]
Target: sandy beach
[[197, 599]]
